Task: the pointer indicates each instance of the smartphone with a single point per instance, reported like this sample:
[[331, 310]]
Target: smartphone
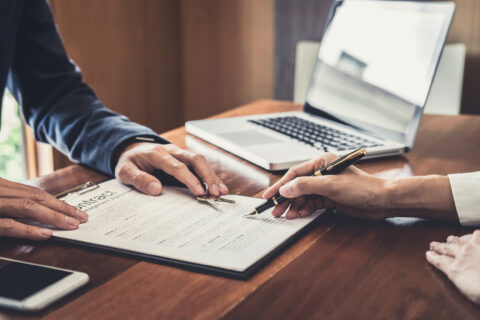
[[30, 287]]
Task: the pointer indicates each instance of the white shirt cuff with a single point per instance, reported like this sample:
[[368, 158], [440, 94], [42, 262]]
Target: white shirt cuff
[[466, 194]]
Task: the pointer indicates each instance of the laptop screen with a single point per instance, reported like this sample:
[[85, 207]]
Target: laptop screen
[[376, 64]]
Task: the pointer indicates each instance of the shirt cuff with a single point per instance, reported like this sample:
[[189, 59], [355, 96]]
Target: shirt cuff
[[466, 194]]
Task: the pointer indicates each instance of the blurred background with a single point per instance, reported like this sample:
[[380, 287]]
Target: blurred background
[[162, 62]]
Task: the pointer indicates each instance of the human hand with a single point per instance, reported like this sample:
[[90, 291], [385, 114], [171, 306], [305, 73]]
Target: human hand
[[352, 192], [459, 259], [139, 160], [18, 201]]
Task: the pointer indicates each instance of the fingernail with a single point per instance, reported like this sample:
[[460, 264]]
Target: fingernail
[[71, 222], [81, 215], [215, 190], [223, 188], [46, 232], [199, 190], [154, 188]]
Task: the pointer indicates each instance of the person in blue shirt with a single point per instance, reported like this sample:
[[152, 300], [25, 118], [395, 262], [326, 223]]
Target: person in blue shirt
[[64, 111]]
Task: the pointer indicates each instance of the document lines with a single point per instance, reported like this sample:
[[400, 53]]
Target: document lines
[[175, 229]]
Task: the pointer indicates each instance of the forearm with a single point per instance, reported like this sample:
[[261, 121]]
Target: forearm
[[61, 109], [427, 197]]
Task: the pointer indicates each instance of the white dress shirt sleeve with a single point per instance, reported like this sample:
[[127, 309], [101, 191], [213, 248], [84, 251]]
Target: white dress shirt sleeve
[[466, 194]]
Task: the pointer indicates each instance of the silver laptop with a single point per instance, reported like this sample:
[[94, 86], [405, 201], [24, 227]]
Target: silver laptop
[[374, 71]]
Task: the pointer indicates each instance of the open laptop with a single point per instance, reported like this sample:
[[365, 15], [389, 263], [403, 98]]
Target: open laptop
[[374, 71]]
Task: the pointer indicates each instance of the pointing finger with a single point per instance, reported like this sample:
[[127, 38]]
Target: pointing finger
[[306, 186], [142, 181], [179, 170], [303, 169], [203, 170]]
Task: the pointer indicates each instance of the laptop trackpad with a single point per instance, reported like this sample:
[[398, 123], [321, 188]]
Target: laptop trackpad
[[248, 138]]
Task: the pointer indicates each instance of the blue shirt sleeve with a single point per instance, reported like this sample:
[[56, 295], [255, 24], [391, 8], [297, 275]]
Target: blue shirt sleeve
[[56, 103]]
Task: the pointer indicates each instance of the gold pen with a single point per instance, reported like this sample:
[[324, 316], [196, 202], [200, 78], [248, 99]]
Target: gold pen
[[335, 167]]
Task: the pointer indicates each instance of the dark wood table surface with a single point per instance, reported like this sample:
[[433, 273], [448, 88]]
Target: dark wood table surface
[[343, 268]]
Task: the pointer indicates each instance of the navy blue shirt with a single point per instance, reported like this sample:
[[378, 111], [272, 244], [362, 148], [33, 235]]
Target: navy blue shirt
[[61, 109]]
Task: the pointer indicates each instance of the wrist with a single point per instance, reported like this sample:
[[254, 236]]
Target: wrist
[[422, 196], [406, 193], [130, 147], [130, 143], [387, 196]]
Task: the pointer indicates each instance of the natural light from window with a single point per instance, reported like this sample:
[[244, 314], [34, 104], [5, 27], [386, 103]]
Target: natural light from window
[[12, 164]]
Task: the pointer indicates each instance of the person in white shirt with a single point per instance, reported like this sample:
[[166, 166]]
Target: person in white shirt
[[453, 198]]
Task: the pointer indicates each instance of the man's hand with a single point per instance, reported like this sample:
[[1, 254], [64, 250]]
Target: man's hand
[[19, 201], [139, 160], [459, 259], [352, 192]]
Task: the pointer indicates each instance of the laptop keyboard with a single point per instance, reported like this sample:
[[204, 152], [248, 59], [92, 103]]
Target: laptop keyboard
[[313, 134]]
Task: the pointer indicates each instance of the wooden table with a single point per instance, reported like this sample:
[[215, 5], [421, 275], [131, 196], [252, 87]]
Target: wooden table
[[342, 268]]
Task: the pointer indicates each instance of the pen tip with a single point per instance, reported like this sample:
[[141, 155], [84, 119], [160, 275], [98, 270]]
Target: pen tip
[[253, 212]]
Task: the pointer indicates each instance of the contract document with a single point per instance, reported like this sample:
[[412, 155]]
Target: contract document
[[174, 227]]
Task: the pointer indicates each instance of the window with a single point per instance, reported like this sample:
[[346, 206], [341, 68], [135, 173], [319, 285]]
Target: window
[[20, 156], [12, 154]]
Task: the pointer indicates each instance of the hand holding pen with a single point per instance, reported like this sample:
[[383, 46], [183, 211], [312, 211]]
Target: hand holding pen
[[299, 182]]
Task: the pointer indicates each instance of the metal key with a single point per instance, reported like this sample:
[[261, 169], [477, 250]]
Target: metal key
[[220, 199], [214, 201], [208, 200]]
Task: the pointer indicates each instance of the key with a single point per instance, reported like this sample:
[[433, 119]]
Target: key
[[210, 201], [220, 199]]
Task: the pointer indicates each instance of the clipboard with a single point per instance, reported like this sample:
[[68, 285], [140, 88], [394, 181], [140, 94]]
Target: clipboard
[[80, 189], [200, 268], [90, 186], [182, 264]]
